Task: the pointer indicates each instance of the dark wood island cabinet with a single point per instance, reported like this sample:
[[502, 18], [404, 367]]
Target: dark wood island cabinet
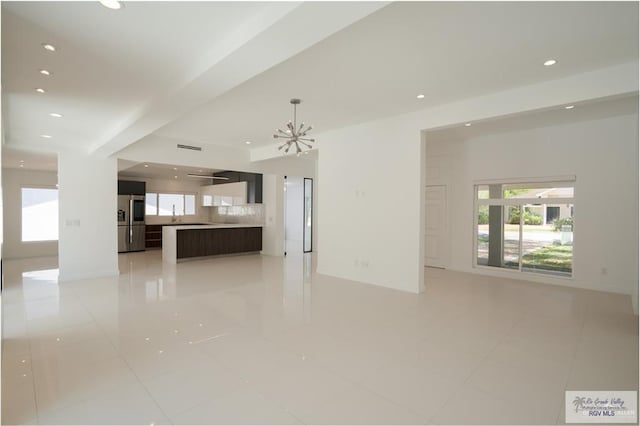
[[183, 242], [210, 242]]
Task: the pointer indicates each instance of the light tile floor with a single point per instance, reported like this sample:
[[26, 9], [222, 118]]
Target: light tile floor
[[263, 340]]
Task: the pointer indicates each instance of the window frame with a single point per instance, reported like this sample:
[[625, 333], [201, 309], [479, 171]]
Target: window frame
[[30, 186], [559, 181], [184, 202]]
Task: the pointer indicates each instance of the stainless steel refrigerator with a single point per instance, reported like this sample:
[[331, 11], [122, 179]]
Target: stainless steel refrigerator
[[130, 223]]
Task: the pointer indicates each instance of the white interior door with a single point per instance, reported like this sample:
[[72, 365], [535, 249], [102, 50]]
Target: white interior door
[[436, 227]]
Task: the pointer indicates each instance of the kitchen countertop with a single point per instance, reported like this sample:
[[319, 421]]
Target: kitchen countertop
[[177, 224], [215, 225]]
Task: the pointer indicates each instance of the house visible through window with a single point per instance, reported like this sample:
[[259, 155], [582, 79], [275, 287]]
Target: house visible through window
[[525, 226], [159, 204], [39, 214]]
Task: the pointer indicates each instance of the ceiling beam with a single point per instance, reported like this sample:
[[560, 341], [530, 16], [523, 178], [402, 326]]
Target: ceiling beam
[[287, 31]]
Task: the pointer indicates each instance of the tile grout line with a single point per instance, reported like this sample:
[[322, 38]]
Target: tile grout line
[[482, 360], [573, 365], [246, 382], [125, 360], [33, 377]]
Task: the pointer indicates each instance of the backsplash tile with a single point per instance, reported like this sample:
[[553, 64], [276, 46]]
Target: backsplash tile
[[248, 213]]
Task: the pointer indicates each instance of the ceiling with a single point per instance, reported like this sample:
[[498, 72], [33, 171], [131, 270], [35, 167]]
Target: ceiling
[[163, 171], [593, 110], [12, 158], [113, 67], [377, 66], [120, 74]]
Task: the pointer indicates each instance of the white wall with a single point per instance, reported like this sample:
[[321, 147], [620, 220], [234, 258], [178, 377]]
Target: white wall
[[370, 191], [174, 185], [602, 154], [13, 181], [273, 200], [371, 176], [294, 209], [2, 250], [156, 149], [88, 245]]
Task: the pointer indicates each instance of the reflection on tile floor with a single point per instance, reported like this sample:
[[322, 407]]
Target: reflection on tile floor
[[265, 340]]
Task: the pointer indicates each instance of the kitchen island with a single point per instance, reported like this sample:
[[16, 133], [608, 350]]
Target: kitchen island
[[189, 241]]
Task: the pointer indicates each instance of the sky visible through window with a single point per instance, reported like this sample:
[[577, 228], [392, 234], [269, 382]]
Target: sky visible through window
[[39, 214]]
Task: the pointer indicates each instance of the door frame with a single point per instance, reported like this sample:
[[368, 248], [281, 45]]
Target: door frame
[[304, 233], [446, 258]]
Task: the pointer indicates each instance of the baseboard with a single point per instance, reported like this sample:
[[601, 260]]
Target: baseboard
[[77, 276]]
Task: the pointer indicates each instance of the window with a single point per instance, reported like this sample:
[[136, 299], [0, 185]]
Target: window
[[526, 227], [222, 200], [39, 214], [151, 204], [162, 204]]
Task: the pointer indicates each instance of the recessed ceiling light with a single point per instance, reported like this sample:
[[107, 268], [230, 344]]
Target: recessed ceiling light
[[200, 170], [56, 115], [420, 96], [146, 165], [550, 62], [46, 136], [39, 90], [111, 4], [570, 107], [45, 72], [467, 124], [175, 177], [175, 168], [49, 47], [247, 142], [22, 161], [21, 165]]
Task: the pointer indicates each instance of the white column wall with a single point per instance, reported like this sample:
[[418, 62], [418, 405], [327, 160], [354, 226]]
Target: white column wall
[[294, 210], [273, 201], [88, 227], [370, 192]]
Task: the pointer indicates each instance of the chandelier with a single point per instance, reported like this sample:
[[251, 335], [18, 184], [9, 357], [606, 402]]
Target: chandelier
[[294, 135]]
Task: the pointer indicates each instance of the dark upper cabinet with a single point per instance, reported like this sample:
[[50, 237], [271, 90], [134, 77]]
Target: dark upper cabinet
[[254, 183], [131, 187], [254, 187], [229, 174]]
